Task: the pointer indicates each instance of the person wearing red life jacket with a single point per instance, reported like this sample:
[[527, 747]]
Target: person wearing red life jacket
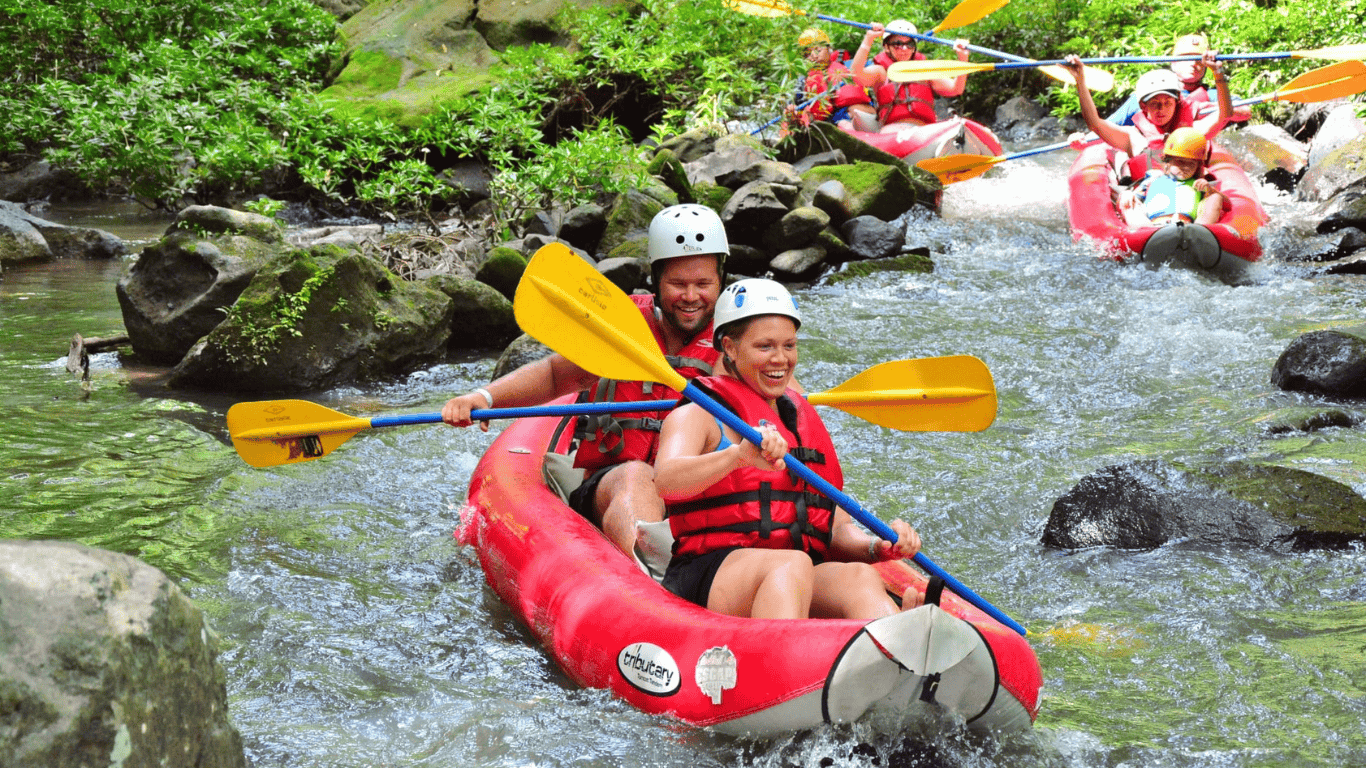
[[830, 83], [1162, 110], [902, 104], [687, 250], [1192, 77], [750, 539]]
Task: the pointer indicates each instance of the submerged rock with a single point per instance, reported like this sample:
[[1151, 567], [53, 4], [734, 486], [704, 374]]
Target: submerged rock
[[1148, 503], [1323, 362], [105, 662]]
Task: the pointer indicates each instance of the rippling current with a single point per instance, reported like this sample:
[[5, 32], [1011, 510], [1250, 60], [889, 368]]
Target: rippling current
[[356, 632]]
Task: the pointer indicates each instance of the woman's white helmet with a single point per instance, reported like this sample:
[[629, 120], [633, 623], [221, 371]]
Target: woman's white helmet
[[1157, 81], [687, 230], [899, 27], [754, 296]]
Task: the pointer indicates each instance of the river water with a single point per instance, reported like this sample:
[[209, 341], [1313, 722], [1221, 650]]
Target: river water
[[356, 632]]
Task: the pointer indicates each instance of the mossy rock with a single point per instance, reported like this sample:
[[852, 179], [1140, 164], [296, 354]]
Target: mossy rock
[[406, 58], [883, 191], [632, 212], [712, 195], [502, 270], [907, 262], [483, 316], [319, 318], [666, 167]]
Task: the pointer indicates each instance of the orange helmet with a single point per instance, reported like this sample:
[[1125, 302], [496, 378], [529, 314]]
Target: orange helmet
[[812, 36], [1188, 143]]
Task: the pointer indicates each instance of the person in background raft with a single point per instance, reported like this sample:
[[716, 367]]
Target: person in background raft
[[1183, 191], [687, 251], [830, 82], [1192, 76], [1161, 111], [902, 104], [750, 539]]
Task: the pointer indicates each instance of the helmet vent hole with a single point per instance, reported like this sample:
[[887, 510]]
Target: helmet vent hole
[[679, 239], [701, 237]]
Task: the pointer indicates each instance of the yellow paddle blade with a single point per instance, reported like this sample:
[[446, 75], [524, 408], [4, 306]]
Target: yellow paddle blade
[[1097, 80], [968, 12], [567, 305], [932, 69], [275, 432], [935, 394], [1336, 52], [955, 168], [1334, 81], [768, 9]]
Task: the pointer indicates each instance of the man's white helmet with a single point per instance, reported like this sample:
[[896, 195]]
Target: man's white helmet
[[899, 27], [1157, 81], [754, 296], [687, 230]]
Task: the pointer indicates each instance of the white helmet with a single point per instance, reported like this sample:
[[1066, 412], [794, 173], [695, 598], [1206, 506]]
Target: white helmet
[[687, 230], [1158, 81], [899, 27], [754, 296]]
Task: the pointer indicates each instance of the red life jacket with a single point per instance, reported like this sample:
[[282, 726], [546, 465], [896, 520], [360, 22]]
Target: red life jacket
[[754, 508], [606, 439], [819, 80], [1151, 157], [897, 102], [1204, 104]]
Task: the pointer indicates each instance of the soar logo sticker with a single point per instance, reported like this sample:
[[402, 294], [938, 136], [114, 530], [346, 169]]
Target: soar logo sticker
[[649, 668]]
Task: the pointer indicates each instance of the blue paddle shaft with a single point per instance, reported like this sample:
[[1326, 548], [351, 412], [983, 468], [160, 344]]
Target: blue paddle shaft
[[926, 38], [568, 409], [697, 395]]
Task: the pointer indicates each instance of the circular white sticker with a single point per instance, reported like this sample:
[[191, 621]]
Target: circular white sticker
[[649, 668]]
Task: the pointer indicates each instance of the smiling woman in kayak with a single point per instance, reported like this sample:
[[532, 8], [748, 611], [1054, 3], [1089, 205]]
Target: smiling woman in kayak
[[902, 104], [750, 539]]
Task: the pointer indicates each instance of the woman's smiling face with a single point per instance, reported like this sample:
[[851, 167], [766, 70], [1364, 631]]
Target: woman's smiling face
[[765, 354]]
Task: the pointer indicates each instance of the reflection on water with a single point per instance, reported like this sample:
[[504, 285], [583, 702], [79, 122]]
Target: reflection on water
[[356, 632]]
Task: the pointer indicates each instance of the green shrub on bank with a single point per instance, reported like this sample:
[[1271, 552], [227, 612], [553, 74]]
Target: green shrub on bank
[[212, 101]]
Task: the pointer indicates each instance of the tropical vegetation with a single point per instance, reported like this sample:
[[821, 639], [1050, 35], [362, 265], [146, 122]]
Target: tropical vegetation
[[215, 101]]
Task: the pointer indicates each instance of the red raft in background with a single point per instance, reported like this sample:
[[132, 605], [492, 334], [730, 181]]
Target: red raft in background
[[609, 625], [953, 136], [1225, 250]]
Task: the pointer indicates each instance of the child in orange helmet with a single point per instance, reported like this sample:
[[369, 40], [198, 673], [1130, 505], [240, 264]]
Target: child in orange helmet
[[1183, 191]]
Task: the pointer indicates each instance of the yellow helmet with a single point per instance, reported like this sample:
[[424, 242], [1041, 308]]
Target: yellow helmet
[[812, 36], [1188, 143], [1190, 44]]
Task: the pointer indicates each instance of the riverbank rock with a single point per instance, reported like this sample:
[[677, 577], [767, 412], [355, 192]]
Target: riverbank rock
[[1148, 503], [317, 318], [1331, 363], [1340, 171], [105, 662], [481, 317], [40, 181], [180, 286], [25, 237]]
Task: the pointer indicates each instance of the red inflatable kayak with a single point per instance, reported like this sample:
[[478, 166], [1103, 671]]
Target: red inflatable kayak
[[609, 625], [1225, 250], [953, 136]]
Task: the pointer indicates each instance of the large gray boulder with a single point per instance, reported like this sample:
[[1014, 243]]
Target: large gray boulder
[[25, 237], [317, 318], [180, 286], [105, 662], [1148, 503], [481, 316], [1341, 170], [1328, 362], [872, 189]]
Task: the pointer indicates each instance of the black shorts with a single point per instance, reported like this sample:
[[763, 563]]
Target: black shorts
[[691, 578], [581, 498]]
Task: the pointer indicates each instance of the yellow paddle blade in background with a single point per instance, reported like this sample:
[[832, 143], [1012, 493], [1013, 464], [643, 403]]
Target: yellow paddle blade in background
[[1338, 52], [932, 69], [767, 9], [268, 436], [1334, 81], [951, 169], [567, 305], [935, 394], [967, 12]]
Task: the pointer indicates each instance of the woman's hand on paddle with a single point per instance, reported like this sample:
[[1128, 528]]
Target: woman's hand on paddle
[[906, 546], [1073, 64], [960, 47], [456, 411], [768, 455]]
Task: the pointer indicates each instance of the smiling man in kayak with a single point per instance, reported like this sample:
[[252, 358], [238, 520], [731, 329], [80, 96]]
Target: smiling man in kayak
[[687, 250]]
